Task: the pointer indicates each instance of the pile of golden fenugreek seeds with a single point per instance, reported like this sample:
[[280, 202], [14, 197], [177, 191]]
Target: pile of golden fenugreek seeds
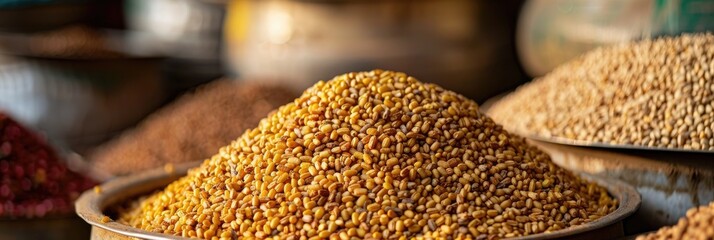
[[373, 155]]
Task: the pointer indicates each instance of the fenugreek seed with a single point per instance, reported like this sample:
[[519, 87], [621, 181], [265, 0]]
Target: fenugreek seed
[[492, 213], [358, 157], [367, 158], [399, 226], [479, 214], [326, 128], [361, 201], [373, 207], [359, 191], [307, 218], [168, 168], [392, 161], [431, 224]]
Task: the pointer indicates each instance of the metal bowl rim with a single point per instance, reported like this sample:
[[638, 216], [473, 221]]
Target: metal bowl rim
[[90, 205], [582, 143]]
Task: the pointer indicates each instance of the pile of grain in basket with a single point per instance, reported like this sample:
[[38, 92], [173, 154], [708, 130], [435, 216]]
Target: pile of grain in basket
[[191, 129], [654, 93], [697, 224], [374, 155]]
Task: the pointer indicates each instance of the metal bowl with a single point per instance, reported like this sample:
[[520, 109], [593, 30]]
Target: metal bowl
[[191, 38], [90, 207], [79, 102], [670, 181], [486, 106], [463, 45], [601, 145]]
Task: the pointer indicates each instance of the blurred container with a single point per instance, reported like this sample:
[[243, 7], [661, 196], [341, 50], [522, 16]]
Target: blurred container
[[464, 45], [77, 103], [69, 227], [188, 31], [551, 32], [37, 15], [26, 16]]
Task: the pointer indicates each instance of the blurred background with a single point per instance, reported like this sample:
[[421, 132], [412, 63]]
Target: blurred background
[[81, 72]]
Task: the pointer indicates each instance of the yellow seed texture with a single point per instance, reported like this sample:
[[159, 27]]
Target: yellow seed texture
[[370, 155]]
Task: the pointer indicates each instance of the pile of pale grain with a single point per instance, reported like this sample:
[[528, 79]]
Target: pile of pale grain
[[697, 224], [191, 129], [374, 155], [653, 93]]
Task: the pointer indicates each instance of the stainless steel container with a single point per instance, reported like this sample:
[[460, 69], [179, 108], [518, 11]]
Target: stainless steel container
[[463, 45], [187, 31], [670, 182], [91, 206], [78, 103]]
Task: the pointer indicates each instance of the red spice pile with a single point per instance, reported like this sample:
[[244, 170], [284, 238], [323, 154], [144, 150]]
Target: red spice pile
[[33, 181]]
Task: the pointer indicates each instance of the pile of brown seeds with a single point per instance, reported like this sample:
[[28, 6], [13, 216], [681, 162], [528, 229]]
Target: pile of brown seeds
[[191, 129], [653, 93], [697, 224], [374, 155]]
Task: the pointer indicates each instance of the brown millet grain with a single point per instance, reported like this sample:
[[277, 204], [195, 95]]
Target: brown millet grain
[[191, 129]]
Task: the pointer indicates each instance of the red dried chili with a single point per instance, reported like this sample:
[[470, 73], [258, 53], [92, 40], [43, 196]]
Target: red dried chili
[[33, 180]]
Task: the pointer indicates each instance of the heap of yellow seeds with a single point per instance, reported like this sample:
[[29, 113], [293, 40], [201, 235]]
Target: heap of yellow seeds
[[697, 224], [374, 155]]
